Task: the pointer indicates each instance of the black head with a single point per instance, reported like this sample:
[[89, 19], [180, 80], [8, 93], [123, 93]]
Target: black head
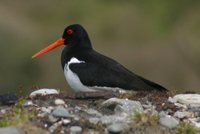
[[76, 36]]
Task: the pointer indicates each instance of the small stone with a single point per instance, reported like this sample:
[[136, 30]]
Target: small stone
[[181, 105], [195, 122], [93, 112], [52, 119], [43, 92], [169, 121], [116, 128], [3, 111], [59, 102], [123, 105], [180, 115], [42, 115], [53, 127], [28, 103], [192, 100], [60, 111], [76, 118], [172, 100], [44, 111], [75, 130], [7, 99], [109, 119], [45, 125], [66, 121], [94, 120], [10, 130]]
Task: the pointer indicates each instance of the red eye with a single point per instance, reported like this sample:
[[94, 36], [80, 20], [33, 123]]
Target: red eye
[[70, 31]]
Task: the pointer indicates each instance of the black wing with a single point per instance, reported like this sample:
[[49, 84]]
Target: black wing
[[111, 74]]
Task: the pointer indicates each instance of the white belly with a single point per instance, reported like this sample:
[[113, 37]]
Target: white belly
[[75, 83]]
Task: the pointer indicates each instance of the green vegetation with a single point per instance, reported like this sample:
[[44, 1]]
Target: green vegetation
[[186, 128], [141, 118], [128, 94], [17, 115]]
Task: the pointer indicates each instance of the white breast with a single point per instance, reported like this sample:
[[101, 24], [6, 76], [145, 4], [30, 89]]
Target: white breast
[[73, 79], [75, 83]]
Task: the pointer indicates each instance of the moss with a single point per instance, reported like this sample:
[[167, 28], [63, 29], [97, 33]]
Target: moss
[[17, 115], [128, 95], [186, 128], [145, 118]]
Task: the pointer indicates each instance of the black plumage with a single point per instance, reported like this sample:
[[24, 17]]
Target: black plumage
[[97, 69]]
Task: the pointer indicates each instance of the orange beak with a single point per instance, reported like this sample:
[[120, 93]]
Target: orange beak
[[59, 42]]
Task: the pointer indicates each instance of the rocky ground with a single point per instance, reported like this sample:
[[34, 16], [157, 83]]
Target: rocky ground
[[47, 111]]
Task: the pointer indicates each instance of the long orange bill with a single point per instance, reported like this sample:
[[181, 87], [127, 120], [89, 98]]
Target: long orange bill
[[59, 42]]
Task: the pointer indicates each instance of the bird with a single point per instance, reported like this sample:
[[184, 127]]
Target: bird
[[86, 70]]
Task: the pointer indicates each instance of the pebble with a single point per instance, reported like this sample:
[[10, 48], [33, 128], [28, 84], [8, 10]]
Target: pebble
[[162, 114], [59, 102], [53, 127], [180, 115], [195, 122], [65, 121], [94, 120], [28, 103], [181, 105], [93, 112], [123, 105], [172, 100], [109, 119], [52, 119], [75, 130], [192, 100], [43, 92], [3, 111], [116, 128], [10, 130], [7, 99], [169, 121], [60, 111]]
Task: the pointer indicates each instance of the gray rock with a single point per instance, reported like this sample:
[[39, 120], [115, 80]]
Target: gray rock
[[169, 121], [181, 105], [180, 115], [66, 121], [94, 120], [60, 111], [123, 105], [109, 119], [195, 122], [59, 102], [28, 103], [192, 100], [10, 130], [93, 112], [44, 111], [52, 119], [172, 100], [162, 114], [116, 128], [75, 130], [44, 91], [53, 127]]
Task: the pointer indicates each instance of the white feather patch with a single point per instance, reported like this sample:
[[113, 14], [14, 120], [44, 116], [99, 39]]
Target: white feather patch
[[75, 83]]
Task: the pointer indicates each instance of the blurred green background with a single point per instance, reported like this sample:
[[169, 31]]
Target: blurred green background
[[157, 39]]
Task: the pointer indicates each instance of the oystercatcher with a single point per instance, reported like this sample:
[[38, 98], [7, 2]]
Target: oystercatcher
[[87, 70]]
